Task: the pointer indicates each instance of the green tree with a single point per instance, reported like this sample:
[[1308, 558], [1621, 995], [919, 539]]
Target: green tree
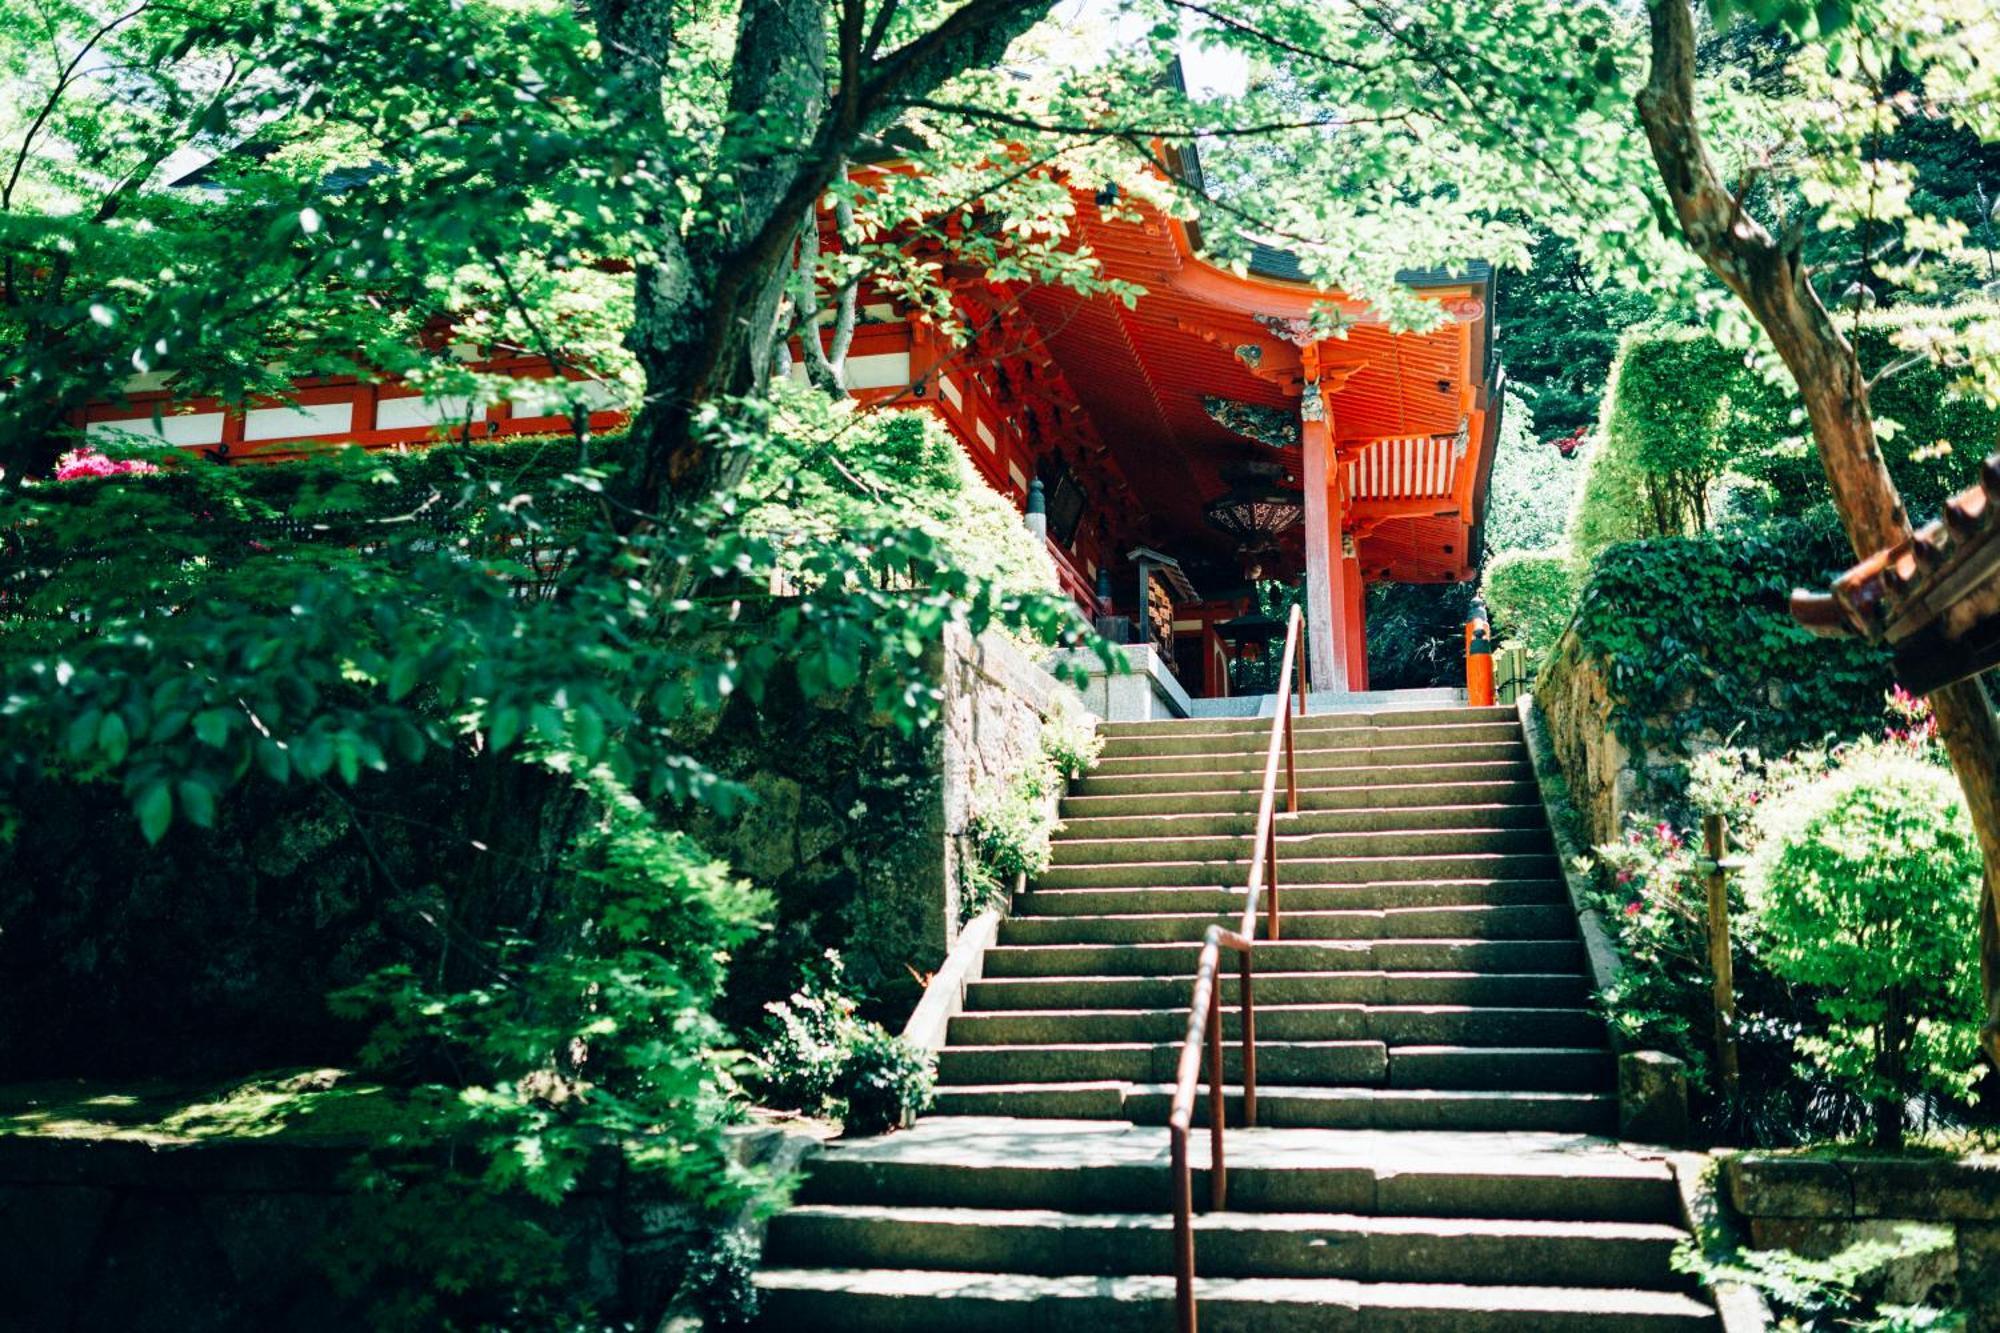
[[1561, 329], [1866, 888]]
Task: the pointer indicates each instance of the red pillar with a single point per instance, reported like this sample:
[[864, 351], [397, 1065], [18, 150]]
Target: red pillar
[[1326, 620]]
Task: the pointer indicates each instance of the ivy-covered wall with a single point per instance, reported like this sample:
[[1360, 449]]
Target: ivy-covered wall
[[1681, 644]]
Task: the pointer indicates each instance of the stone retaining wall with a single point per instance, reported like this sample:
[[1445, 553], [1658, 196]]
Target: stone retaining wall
[[1577, 709], [859, 829], [121, 1236], [1820, 1205]]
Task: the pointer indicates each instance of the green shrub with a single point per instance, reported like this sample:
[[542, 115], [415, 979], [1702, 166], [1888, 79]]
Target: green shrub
[[883, 1083], [1529, 595], [1072, 743], [1012, 824], [1866, 889], [821, 1057], [1653, 897]]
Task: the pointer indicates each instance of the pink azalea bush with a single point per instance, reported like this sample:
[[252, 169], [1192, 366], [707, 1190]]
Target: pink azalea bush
[[87, 462]]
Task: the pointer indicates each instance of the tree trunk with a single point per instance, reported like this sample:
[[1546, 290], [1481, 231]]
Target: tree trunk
[[803, 93], [1892, 1039], [1773, 284]]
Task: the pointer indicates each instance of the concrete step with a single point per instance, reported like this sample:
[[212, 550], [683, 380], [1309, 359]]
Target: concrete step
[[1332, 755], [1240, 824], [1297, 897], [1562, 988], [1130, 779], [1482, 1110], [1373, 1249], [1280, 1063], [1242, 803], [1333, 734], [1398, 1025], [1370, 868], [1092, 1166], [1175, 959], [921, 1301], [1551, 921], [1384, 717]]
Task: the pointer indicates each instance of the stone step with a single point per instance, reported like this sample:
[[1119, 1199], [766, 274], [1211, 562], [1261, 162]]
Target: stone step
[[922, 1301], [1140, 780], [1241, 824], [1482, 923], [1364, 1064], [1093, 1166], [1332, 721], [1296, 1063], [1322, 757], [1293, 845], [1373, 868], [1563, 988], [1374, 1249], [1178, 959], [1297, 897], [1242, 802], [1256, 743], [1404, 1024], [1482, 1110]]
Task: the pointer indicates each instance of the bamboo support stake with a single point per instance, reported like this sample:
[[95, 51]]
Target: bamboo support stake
[[1715, 843]]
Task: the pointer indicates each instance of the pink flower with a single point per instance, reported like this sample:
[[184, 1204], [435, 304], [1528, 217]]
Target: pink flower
[[89, 462], [1631, 909], [1623, 877]]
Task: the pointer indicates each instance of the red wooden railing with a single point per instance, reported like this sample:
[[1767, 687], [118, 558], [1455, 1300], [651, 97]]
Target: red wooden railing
[[1205, 1009]]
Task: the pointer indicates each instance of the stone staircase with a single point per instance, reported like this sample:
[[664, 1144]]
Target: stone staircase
[[1432, 1089]]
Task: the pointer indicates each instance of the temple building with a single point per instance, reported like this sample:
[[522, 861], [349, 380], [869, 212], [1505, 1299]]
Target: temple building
[[1177, 451]]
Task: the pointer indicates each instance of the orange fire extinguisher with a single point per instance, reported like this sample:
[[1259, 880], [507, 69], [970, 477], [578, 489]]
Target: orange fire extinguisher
[[1479, 658]]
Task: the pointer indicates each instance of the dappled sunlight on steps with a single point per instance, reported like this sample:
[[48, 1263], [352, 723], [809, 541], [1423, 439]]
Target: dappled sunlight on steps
[[1432, 1086]]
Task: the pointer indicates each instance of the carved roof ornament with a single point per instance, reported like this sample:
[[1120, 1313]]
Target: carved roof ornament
[[1294, 330], [1312, 407], [1277, 427], [1466, 310]]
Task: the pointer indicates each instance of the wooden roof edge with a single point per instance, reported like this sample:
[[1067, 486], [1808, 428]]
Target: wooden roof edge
[[1936, 587]]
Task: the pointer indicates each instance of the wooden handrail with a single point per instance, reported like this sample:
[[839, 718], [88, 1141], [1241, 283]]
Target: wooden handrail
[[1204, 1027]]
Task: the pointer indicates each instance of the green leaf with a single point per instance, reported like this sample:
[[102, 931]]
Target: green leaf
[[197, 802], [211, 727], [112, 737], [155, 809]]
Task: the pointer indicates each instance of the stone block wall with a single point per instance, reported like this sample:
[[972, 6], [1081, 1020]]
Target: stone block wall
[[128, 1236], [860, 829], [996, 702], [1820, 1205]]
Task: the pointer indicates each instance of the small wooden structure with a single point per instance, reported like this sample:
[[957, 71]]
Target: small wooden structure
[[1933, 598]]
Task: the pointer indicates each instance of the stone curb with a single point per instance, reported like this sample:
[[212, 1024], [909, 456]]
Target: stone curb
[[1739, 1309], [1652, 1085]]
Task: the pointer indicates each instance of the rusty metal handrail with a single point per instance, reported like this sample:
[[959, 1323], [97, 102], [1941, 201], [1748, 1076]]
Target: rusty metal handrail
[[1205, 1008]]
